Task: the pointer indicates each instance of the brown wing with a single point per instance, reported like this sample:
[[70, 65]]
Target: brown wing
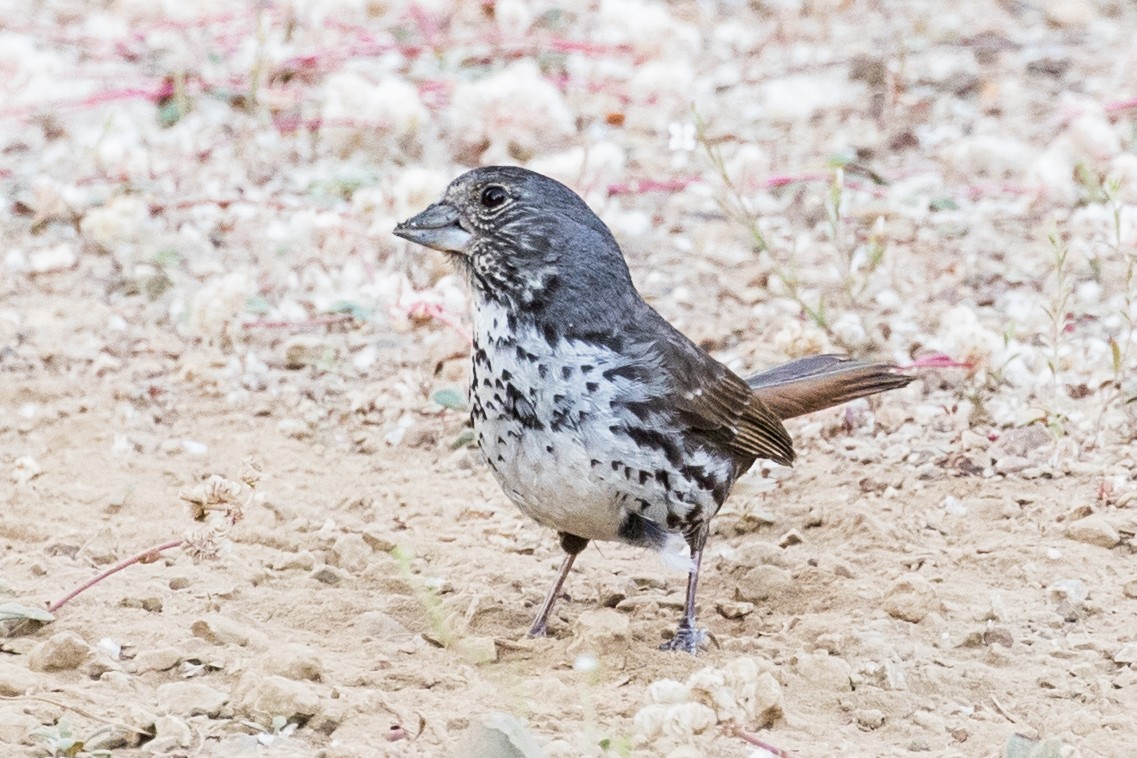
[[714, 401]]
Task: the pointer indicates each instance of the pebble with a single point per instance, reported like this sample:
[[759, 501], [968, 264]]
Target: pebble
[[261, 698], [600, 631], [792, 537], [1070, 596], [742, 691], [1012, 464], [293, 661], [827, 672], [869, 718], [157, 659], [1130, 589], [1020, 442], [499, 736], [52, 259], [62, 651], [328, 575], [174, 729], [381, 626], [910, 598], [761, 583], [1093, 530], [305, 350], [734, 610], [303, 560], [478, 650], [190, 699], [1126, 655], [15, 679], [222, 630]]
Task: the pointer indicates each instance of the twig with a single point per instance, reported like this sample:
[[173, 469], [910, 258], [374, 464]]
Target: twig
[[315, 321], [82, 712], [146, 556], [754, 740], [642, 186], [938, 360], [1005, 713]]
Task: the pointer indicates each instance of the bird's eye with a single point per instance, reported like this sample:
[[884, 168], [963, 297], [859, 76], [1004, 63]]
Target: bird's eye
[[493, 196]]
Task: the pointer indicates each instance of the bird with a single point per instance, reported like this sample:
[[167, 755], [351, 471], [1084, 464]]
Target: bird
[[598, 418]]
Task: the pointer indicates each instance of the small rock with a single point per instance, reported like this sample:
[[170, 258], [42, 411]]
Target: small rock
[[179, 583], [263, 697], [158, 659], [827, 672], [500, 736], [792, 537], [600, 631], [293, 661], [1093, 530], [305, 350], [222, 630], [378, 541], [734, 610], [190, 699], [1020, 442], [174, 729], [327, 575], [910, 598], [1126, 655], [60, 652], [14, 679], [381, 626], [1130, 589], [477, 650], [51, 259], [1012, 464], [761, 583], [1070, 596], [869, 718], [612, 591]]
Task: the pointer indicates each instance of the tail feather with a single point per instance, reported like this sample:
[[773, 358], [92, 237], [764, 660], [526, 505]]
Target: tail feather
[[822, 381]]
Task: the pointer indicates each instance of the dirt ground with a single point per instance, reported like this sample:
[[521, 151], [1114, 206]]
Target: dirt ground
[[197, 270]]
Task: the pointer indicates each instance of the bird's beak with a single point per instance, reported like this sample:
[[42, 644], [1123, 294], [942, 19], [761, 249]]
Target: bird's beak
[[436, 227]]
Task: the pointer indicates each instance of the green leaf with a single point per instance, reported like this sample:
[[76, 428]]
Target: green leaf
[[1115, 350], [450, 398]]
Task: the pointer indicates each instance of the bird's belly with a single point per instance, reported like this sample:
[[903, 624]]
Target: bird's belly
[[554, 423], [551, 479]]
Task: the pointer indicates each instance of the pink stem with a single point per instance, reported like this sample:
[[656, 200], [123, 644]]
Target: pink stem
[[147, 555], [939, 360]]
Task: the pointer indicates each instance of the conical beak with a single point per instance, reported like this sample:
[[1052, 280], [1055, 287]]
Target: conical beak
[[436, 227]]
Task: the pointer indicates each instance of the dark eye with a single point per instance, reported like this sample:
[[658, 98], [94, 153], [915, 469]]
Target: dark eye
[[493, 196]]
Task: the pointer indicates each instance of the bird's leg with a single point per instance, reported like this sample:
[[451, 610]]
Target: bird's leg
[[572, 546], [687, 637]]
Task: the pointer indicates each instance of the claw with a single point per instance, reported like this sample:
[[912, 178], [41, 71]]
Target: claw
[[687, 639]]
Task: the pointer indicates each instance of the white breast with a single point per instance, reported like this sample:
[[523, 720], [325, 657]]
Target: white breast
[[544, 417]]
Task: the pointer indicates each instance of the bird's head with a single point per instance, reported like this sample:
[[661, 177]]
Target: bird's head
[[520, 236]]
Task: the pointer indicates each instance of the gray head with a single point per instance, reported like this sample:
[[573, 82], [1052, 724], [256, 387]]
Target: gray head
[[524, 240]]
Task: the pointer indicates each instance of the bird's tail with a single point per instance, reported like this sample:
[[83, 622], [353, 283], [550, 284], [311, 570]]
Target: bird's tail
[[821, 381]]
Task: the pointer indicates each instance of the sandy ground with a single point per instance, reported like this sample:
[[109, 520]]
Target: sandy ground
[[197, 270]]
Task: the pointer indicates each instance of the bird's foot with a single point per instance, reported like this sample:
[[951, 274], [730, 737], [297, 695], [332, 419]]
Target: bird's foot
[[687, 639], [540, 628]]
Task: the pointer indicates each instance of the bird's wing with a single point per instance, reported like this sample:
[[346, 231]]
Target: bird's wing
[[714, 402]]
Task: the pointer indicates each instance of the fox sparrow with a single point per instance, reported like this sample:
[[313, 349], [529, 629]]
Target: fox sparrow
[[599, 419]]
